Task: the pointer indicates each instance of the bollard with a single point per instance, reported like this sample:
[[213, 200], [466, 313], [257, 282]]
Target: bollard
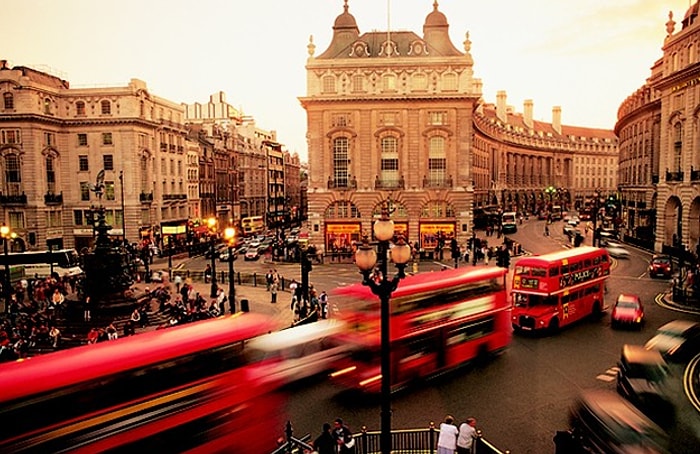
[[415, 267], [244, 306]]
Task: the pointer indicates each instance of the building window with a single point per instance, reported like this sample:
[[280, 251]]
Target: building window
[[79, 218], [50, 175], [107, 138], [47, 106], [106, 107], [342, 209], [84, 191], [9, 100], [390, 161], [340, 161], [358, 83], [16, 220], [389, 82], [437, 118], [340, 120], [449, 82], [53, 218], [437, 163], [82, 140], [328, 84], [437, 209], [144, 174], [419, 82], [10, 136], [108, 162], [49, 139], [83, 163], [80, 108], [677, 146], [13, 174], [109, 190]]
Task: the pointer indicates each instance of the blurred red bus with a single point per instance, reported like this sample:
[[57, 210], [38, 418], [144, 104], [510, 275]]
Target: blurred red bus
[[182, 389], [554, 290], [439, 320]]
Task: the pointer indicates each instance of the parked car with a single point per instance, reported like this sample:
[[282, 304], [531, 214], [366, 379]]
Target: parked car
[[641, 378], [224, 256], [603, 422], [627, 311], [660, 265], [677, 341], [617, 250], [573, 220]]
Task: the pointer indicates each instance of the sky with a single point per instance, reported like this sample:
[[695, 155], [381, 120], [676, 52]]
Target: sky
[[585, 56]]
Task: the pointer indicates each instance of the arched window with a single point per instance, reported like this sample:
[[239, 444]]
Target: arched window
[[437, 161], [47, 106], [389, 82], [341, 146], [437, 209], [13, 175], [106, 107], [50, 175], [342, 209], [9, 100], [449, 82], [419, 81], [389, 162], [142, 109], [80, 108], [143, 164]]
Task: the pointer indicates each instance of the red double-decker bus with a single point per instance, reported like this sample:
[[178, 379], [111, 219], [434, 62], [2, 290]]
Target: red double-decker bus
[[557, 289], [181, 389], [439, 320]]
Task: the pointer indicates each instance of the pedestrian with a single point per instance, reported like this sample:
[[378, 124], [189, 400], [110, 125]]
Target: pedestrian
[[268, 279], [466, 435], [87, 307], [273, 292], [55, 336], [447, 439], [546, 230], [325, 443], [323, 299], [207, 274], [293, 289], [343, 437]]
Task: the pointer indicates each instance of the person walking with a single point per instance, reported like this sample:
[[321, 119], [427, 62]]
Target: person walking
[[325, 443], [343, 437], [447, 439], [323, 299], [273, 291], [466, 436]]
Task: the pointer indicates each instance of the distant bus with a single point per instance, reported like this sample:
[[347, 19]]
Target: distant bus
[[42, 263], [509, 222], [554, 290], [252, 225], [439, 321]]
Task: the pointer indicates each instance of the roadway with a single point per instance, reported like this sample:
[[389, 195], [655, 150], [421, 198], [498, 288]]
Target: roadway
[[522, 397]]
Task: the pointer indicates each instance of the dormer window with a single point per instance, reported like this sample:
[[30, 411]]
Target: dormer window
[[106, 107]]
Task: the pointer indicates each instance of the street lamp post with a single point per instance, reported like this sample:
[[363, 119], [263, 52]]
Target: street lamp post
[[6, 235], [366, 258], [230, 235], [211, 223], [596, 240]]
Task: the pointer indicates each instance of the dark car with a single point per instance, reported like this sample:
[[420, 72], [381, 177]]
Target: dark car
[[627, 311], [641, 378], [677, 341], [604, 422], [660, 265]]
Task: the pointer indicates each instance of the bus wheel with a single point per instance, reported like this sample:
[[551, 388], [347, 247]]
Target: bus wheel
[[554, 325]]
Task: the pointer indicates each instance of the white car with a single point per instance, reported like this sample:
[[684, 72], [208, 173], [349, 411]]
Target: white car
[[617, 250], [573, 220]]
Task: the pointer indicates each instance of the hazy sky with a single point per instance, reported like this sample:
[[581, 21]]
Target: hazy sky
[[586, 56]]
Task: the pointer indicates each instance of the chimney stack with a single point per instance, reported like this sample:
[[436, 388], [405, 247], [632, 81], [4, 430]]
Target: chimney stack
[[501, 106], [527, 113], [556, 119]]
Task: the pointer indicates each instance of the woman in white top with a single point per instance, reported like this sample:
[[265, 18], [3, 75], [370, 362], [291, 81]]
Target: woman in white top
[[447, 440]]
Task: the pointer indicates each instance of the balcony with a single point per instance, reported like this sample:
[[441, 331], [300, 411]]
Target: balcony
[[674, 176], [389, 183], [694, 175], [19, 199], [146, 197], [53, 199], [437, 182], [343, 184]]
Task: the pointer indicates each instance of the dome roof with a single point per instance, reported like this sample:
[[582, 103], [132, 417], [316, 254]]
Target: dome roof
[[435, 18], [345, 20]]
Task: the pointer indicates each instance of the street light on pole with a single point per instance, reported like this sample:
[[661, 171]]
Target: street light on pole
[[230, 235], [366, 258], [211, 224], [596, 240], [7, 235]]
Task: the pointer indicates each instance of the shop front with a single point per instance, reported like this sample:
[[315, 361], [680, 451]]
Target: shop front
[[434, 238], [340, 240]]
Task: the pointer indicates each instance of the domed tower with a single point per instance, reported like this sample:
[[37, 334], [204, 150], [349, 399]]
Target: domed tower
[[345, 32], [436, 32]]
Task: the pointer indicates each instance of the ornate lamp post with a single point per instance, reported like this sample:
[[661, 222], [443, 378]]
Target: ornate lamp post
[[211, 223], [550, 192], [230, 236], [366, 258], [7, 235], [596, 197]]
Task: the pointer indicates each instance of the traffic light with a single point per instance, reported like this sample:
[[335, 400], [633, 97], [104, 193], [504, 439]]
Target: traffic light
[[306, 263]]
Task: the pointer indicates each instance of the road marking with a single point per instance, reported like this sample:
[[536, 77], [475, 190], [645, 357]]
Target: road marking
[[609, 375]]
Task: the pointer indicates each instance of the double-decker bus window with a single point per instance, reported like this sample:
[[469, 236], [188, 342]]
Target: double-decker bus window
[[538, 272], [554, 271], [471, 331]]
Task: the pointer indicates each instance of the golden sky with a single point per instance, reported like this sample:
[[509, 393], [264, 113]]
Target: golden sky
[[586, 56]]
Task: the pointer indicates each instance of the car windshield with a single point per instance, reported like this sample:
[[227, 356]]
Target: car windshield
[[628, 304], [661, 261]]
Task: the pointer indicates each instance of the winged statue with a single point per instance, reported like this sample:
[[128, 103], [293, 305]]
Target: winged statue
[[99, 186]]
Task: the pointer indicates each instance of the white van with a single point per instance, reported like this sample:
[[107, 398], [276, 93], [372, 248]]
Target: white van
[[300, 352]]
